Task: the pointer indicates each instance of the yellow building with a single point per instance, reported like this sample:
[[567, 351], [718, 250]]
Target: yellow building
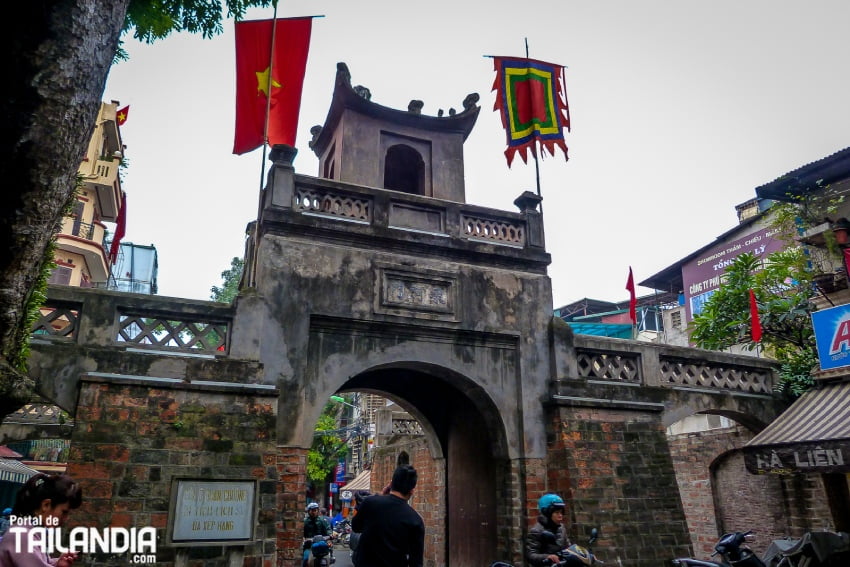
[[82, 256]]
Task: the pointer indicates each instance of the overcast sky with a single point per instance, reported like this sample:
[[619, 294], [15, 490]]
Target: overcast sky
[[679, 110]]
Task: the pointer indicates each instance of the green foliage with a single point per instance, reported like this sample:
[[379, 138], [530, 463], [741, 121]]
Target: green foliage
[[230, 282], [327, 449], [155, 19], [783, 289], [38, 293]]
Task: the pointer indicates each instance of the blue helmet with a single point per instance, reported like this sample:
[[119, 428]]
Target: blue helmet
[[548, 503]]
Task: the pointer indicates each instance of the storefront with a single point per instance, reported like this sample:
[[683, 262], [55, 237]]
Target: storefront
[[811, 436]]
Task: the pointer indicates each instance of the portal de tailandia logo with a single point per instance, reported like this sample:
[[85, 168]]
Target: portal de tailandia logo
[[31, 534]]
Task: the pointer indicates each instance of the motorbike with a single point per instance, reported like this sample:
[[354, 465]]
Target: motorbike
[[815, 549], [578, 556], [733, 551], [572, 556], [319, 547], [343, 531]]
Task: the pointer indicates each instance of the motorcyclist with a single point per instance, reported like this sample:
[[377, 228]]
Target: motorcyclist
[[548, 536], [313, 525]]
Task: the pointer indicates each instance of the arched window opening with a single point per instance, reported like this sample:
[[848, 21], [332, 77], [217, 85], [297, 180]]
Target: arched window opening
[[404, 170], [403, 459]]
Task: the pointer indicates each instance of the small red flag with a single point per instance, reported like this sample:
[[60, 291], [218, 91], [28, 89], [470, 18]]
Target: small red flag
[[120, 229], [754, 316], [121, 115], [630, 285], [259, 79]]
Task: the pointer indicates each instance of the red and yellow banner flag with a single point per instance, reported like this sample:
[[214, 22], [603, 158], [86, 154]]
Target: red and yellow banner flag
[[532, 99], [121, 115], [265, 72]]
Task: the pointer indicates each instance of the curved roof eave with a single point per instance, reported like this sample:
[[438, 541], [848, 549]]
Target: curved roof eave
[[344, 96]]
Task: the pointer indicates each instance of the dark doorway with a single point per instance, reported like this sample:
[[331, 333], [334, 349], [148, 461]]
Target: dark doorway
[[404, 170], [469, 441]]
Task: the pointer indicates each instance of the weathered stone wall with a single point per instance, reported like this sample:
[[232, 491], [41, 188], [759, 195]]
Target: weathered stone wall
[[133, 437], [619, 478], [720, 496]]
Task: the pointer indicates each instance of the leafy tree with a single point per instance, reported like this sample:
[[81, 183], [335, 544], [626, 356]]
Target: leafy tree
[[58, 58], [327, 447], [230, 282], [783, 289]]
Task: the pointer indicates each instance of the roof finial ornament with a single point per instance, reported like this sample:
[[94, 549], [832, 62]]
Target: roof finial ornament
[[363, 92], [415, 106], [470, 101]]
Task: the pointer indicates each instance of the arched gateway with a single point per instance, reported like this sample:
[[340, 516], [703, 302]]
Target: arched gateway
[[196, 418]]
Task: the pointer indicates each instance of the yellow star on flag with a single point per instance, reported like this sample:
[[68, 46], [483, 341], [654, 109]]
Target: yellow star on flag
[[263, 81]]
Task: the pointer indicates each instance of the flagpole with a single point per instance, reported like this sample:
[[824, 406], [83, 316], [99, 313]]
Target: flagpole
[[268, 103], [534, 149]]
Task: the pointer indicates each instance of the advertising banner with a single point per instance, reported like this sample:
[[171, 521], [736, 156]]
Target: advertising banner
[[701, 276], [832, 333]]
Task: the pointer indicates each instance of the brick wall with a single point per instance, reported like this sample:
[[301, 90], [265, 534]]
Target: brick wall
[[131, 439], [720, 496], [615, 469]]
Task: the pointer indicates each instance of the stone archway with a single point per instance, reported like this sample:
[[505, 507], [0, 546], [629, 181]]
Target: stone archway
[[466, 463]]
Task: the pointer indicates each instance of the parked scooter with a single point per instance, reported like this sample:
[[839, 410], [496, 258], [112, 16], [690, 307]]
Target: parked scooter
[[733, 550], [815, 549]]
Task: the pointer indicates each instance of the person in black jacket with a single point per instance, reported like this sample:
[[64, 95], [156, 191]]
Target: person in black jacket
[[392, 533], [548, 536]]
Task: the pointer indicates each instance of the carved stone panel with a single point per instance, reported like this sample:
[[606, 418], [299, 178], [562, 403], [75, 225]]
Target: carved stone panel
[[415, 293]]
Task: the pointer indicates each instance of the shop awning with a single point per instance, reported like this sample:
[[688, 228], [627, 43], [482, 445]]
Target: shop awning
[[14, 471], [360, 482], [813, 435]]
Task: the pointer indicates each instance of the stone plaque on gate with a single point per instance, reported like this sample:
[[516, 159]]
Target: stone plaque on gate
[[421, 293], [212, 511]]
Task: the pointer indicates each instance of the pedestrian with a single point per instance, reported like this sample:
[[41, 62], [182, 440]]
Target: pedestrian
[[392, 532], [44, 500], [548, 536]]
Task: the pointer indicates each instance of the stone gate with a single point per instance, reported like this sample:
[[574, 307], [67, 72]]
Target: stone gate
[[379, 277]]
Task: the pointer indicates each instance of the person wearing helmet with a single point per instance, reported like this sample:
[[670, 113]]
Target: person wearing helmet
[[313, 525], [548, 536]]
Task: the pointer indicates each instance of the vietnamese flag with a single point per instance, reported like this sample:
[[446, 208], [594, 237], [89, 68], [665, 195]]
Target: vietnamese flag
[[630, 286], [271, 56], [121, 115], [755, 331]]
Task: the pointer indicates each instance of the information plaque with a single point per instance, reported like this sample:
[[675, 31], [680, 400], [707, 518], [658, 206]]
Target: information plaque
[[213, 511]]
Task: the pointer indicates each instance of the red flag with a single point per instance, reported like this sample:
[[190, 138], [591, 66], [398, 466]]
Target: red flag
[[847, 261], [120, 229], [261, 74], [532, 99], [630, 285], [754, 316], [121, 115]]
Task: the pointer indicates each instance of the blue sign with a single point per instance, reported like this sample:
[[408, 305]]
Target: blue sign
[[832, 334], [340, 471]]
